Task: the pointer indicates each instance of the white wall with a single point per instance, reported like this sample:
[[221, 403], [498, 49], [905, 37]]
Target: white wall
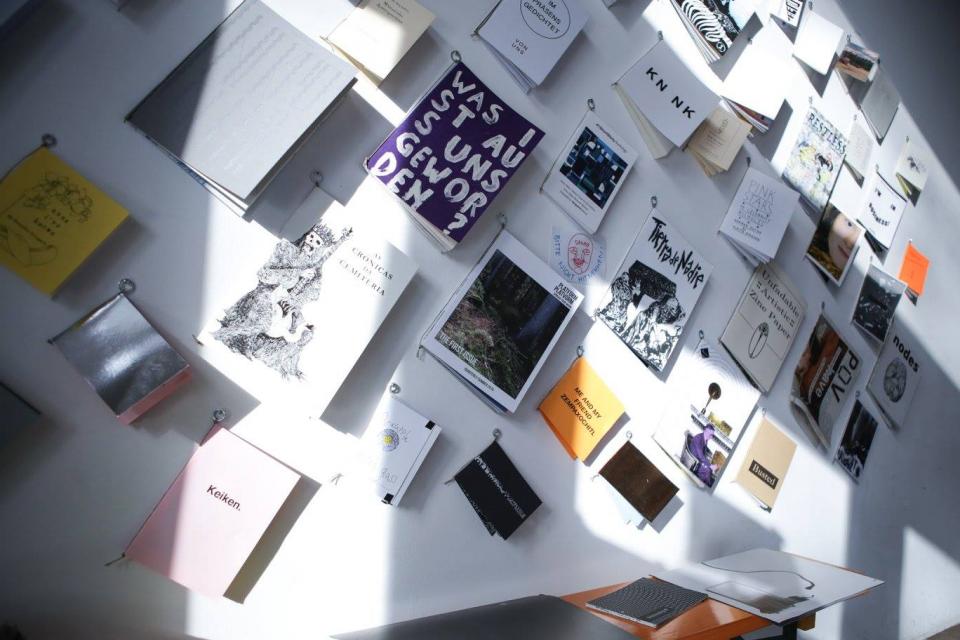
[[74, 492]]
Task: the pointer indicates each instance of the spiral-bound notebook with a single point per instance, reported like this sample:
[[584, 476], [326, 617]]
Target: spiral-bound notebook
[[648, 601]]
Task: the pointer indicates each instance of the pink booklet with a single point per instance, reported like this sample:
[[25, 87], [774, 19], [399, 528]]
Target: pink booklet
[[213, 515]]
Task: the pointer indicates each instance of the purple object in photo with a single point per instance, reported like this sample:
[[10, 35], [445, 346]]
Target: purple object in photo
[[453, 153]]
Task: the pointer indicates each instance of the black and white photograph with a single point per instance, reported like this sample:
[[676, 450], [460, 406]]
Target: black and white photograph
[[877, 303], [857, 440], [650, 300]]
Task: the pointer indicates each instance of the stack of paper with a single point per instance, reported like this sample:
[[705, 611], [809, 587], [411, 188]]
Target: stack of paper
[[528, 37], [758, 216], [665, 99]]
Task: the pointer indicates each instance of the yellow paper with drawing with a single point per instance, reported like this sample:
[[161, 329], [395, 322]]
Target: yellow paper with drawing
[[51, 220], [580, 409]]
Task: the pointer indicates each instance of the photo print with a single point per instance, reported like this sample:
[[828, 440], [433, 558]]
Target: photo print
[[500, 325], [650, 300], [856, 442], [710, 405], [877, 303], [593, 167], [834, 244]]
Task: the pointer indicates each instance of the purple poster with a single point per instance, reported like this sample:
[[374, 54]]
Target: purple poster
[[454, 152]]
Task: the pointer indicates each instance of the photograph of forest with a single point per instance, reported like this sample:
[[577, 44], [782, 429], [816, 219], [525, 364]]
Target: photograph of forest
[[503, 324]]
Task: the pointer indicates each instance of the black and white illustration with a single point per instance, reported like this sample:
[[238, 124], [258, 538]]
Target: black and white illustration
[[896, 376], [584, 181], [877, 303], [857, 440], [714, 24], [294, 322], [651, 298], [269, 323], [880, 212]]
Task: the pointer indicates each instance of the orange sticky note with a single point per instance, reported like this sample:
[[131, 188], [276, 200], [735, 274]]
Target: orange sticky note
[[580, 409], [913, 271]]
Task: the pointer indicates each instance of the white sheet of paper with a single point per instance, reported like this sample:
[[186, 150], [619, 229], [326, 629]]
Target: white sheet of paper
[[859, 150], [757, 80], [817, 42], [783, 575], [760, 212], [524, 33], [668, 93], [881, 210]]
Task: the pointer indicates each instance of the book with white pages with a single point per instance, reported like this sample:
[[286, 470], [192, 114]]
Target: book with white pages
[[529, 36], [879, 101], [590, 171], [660, 91], [817, 42], [496, 331], [227, 119], [896, 375], [378, 33], [298, 314], [755, 87], [759, 215], [394, 446], [880, 212]]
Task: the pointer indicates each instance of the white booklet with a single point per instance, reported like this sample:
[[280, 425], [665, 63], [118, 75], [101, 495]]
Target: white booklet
[[896, 376], [502, 322], [378, 33], [764, 324], [299, 314], [817, 42], [859, 151], [654, 292], [758, 216], [756, 85], [881, 212], [667, 94], [394, 446], [530, 36], [593, 165]]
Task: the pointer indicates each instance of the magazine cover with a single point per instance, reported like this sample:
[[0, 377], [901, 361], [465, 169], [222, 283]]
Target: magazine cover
[[896, 377], [503, 321], [877, 303], [294, 326], [857, 440], [656, 289], [710, 406], [834, 244], [591, 173], [453, 153], [714, 24], [814, 163], [827, 371]]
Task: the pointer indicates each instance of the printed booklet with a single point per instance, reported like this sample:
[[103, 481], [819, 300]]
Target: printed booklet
[[764, 324], [711, 401], [655, 291], [816, 160], [591, 173], [765, 466], [833, 247], [502, 322], [452, 154], [758, 216], [877, 302], [528, 37], [824, 378], [896, 376], [714, 25]]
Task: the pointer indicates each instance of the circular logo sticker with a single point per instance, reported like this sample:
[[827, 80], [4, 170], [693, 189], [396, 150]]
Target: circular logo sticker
[[547, 18], [579, 253], [389, 439]]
